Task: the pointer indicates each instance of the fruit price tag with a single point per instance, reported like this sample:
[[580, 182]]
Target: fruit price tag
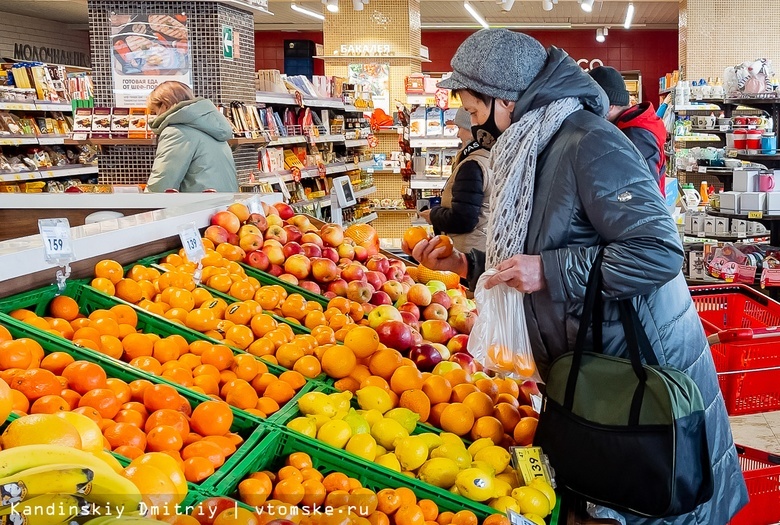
[[755, 215], [724, 127], [530, 463], [517, 519], [192, 242], [732, 154], [57, 247], [702, 169], [255, 205]]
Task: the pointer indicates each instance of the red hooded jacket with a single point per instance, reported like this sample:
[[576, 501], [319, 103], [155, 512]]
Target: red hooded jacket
[[647, 132]]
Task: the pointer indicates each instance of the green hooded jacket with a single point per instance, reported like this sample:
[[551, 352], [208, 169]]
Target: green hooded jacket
[[192, 152]]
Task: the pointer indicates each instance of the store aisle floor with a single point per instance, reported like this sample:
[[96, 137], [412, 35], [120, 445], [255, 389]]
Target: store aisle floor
[[761, 431]]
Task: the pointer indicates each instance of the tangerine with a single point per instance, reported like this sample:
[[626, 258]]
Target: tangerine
[[64, 307]]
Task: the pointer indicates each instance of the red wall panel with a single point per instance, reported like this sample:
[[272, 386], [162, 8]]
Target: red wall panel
[[269, 48]]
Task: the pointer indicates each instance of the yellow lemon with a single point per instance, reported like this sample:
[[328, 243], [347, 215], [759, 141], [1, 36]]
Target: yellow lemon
[[362, 445], [532, 500], [41, 429], [335, 433]]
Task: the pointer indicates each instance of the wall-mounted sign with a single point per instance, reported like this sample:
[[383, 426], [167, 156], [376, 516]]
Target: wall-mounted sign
[[364, 50], [587, 65], [227, 42], [51, 55], [147, 50]]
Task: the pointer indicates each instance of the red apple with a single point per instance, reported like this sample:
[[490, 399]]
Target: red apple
[[298, 265], [378, 263], [425, 357], [257, 259], [343, 262], [436, 331], [411, 320], [329, 295], [443, 299], [346, 251], [393, 289], [233, 239], [411, 308], [258, 220], [443, 350], [207, 511], [408, 280], [292, 248], [281, 522], [361, 254], [419, 294], [376, 279], [311, 286], [528, 389], [274, 220], [332, 235], [216, 234], [395, 334], [285, 210], [463, 322], [287, 277], [249, 229], [269, 210], [272, 242], [353, 272], [359, 291], [312, 238], [435, 311], [394, 273], [398, 263], [277, 233], [275, 254], [251, 242], [276, 270], [417, 338], [465, 361], [338, 287], [382, 314], [301, 221], [311, 250], [459, 343], [380, 298], [330, 253], [227, 220], [324, 270], [367, 308], [294, 234]]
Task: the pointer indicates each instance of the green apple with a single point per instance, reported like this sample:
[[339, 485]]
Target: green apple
[[436, 286], [446, 366], [401, 300], [383, 313], [455, 292]]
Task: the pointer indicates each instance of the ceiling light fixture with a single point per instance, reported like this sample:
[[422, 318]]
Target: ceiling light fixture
[[357, 5], [506, 5], [600, 35], [629, 16], [587, 5], [547, 5], [331, 5], [475, 15], [306, 12]]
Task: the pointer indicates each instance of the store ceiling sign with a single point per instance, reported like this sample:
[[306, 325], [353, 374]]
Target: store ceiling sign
[[365, 50], [52, 55], [587, 65]]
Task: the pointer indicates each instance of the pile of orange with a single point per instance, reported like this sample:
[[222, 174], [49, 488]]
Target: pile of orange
[[134, 417]]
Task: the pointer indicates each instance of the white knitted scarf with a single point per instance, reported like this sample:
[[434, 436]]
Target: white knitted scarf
[[513, 174]]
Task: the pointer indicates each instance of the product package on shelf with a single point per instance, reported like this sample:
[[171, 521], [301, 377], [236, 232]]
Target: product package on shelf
[[120, 122], [417, 122], [139, 123], [433, 122]]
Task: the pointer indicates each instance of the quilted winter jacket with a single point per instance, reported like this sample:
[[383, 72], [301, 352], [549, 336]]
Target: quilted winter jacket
[[192, 150], [594, 188]]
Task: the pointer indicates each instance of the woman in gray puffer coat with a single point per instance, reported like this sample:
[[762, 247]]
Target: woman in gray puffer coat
[[565, 182]]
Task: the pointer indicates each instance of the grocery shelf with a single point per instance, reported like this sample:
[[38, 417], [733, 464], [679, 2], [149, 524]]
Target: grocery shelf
[[368, 218], [362, 165], [418, 184], [385, 171], [365, 193], [239, 141], [17, 140], [46, 140], [265, 97], [95, 141], [697, 107], [325, 138], [434, 142], [309, 202], [726, 237], [53, 173], [356, 143], [711, 131], [394, 210], [757, 156], [283, 141], [336, 167], [36, 106]]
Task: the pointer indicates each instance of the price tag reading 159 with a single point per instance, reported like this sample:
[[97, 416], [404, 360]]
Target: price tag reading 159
[[56, 240]]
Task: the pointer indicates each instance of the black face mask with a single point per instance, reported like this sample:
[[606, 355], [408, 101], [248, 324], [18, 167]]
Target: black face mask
[[487, 134]]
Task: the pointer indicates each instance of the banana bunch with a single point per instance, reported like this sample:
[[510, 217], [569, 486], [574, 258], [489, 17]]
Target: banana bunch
[[77, 483]]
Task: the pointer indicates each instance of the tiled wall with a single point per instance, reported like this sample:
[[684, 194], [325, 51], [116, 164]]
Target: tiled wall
[[41, 33]]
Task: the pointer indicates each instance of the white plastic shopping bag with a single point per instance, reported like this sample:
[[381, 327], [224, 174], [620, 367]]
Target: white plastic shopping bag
[[499, 339]]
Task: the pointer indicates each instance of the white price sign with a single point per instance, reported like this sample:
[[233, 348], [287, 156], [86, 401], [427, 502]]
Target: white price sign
[[702, 169], [192, 242], [255, 205], [57, 247]]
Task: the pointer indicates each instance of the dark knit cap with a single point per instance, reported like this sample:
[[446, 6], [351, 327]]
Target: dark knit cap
[[611, 81]]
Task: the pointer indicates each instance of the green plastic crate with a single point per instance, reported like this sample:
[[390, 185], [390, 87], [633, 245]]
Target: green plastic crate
[[249, 428], [267, 279], [90, 299]]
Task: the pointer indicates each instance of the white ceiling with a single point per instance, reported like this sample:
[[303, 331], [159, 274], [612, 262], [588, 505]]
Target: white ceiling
[[649, 13]]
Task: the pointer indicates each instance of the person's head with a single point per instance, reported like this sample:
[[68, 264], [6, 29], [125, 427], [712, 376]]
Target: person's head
[[490, 71], [463, 121], [611, 81], [167, 95]]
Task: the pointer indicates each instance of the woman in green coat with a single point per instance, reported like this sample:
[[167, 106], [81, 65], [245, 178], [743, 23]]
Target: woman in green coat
[[192, 150]]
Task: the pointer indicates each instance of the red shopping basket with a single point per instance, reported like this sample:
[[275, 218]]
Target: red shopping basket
[[745, 341], [762, 477]]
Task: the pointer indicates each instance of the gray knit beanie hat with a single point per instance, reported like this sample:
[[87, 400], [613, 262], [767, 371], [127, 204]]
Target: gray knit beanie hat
[[496, 62]]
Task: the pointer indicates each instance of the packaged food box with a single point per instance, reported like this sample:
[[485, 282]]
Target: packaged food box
[[120, 122], [82, 121], [450, 129], [448, 161], [138, 123], [101, 122], [433, 122], [417, 122]]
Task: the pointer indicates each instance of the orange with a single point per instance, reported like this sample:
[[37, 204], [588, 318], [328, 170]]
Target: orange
[[49, 405], [161, 396], [384, 362], [508, 386], [416, 401], [36, 383], [406, 378], [62, 326], [106, 326], [168, 418], [111, 346], [212, 418], [129, 290], [130, 416], [445, 518], [129, 452], [242, 395], [165, 350], [308, 366], [338, 361], [457, 418], [525, 430], [119, 434], [205, 449], [201, 319], [245, 367], [323, 335], [138, 345], [71, 397], [88, 332], [254, 492], [196, 469], [14, 354], [488, 386], [406, 495], [239, 313], [299, 460], [409, 515], [219, 356], [224, 442], [240, 336], [508, 415], [336, 481], [388, 501], [19, 403], [64, 307], [261, 324], [314, 319], [180, 376], [289, 472], [437, 388], [242, 291], [101, 284], [414, 235], [109, 269], [461, 392], [363, 341], [480, 404], [288, 354], [527, 411], [337, 498], [164, 438], [314, 493], [429, 508], [458, 377], [294, 379], [496, 519], [147, 364], [289, 491], [103, 400], [507, 398], [280, 391], [488, 427]]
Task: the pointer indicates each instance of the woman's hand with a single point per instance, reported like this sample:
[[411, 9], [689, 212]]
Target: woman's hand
[[521, 272], [430, 254], [425, 215]]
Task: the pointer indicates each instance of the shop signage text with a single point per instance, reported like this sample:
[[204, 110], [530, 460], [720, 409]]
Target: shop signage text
[[365, 50], [51, 55], [587, 65]]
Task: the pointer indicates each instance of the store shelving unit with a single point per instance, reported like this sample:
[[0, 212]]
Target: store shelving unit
[[75, 170]]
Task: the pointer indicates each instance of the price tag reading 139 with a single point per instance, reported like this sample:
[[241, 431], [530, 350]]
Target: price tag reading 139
[[530, 463], [192, 242], [57, 246]]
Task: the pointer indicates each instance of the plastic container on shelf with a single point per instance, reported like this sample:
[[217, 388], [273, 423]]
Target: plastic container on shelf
[[250, 429], [747, 349], [762, 477]]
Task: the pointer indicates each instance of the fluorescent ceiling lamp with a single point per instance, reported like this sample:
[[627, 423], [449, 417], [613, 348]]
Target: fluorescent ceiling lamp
[[629, 16], [506, 5], [475, 15], [303, 11], [600, 35], [357, 5], [587, 5], [332, 5], [547, 5]]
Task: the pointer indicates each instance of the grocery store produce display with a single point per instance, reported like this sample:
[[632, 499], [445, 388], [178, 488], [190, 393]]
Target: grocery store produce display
[[225, 394]]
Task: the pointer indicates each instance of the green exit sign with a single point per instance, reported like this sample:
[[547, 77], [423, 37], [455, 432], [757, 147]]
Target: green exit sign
[[228, 43]]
